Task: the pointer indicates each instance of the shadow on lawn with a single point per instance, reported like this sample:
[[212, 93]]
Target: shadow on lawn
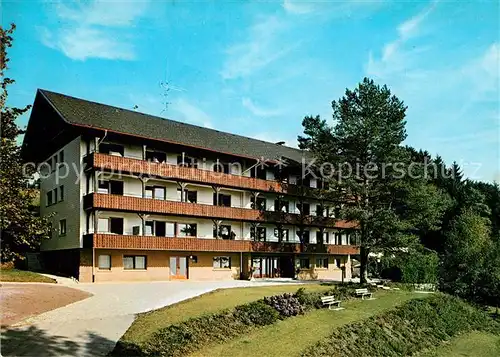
[[32, 341]]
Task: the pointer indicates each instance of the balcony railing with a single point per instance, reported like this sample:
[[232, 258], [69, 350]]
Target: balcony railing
[[147, 205], [127, 165], [113, 241]]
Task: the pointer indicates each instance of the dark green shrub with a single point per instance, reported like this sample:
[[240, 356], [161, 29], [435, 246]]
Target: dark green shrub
[[286, 305], [309, 300], [406, 330], [256, 313]]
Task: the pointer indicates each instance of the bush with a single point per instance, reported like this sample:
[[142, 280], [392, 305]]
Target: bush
[[257, 313], [286, 305], [403, 331], [309, 300]]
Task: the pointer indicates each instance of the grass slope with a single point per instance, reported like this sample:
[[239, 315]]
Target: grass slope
[[23, 276], [148, 323], [473, 344], [291, 336]]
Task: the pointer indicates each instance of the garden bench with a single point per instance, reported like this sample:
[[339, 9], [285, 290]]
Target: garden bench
[[364, 292], [330, 301]]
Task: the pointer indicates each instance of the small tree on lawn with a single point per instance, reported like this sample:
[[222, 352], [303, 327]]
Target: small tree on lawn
[[21, 229]]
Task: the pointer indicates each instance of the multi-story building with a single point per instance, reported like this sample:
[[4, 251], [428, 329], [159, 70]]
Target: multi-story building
[[136, 197]]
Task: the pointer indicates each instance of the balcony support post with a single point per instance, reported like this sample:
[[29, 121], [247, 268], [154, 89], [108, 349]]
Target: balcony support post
[[143, 218], [183, 186], [96, 222], [144, 152], [216, 191], [96, 181], [217, 223], [144, 180]]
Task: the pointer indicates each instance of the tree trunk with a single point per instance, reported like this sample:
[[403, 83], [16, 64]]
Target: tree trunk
[[363, 270]]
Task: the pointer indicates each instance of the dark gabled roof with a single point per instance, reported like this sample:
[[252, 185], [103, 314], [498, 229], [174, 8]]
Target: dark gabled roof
[[85, 113]]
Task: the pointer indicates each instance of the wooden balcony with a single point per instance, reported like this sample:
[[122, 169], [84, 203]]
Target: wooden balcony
[[114, 241], [174, 208], [126, 165]]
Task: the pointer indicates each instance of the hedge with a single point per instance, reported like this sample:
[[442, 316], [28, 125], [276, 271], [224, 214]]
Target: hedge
[[413, 327]]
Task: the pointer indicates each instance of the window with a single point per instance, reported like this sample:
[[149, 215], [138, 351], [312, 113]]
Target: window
[[305, 237], [116, 187], [169, 229], [322, 263], [189, 196], [258, 233], [113, 187], [304, 263], [187, 161], [49, 198], [320, 239], [149, 228], [281, 205], [61, 193], [221, 167], [224, 200], [322, 211], [104, 261], [156, 156], [284, 234], [134, 262], [224, 232], [304, 208], [222, 262], [61, 156], [259, 203], [259, 172], [62, 227], [112, 149], [187, 230], [155, 228], [103, 187], [156, 192], [322, 184], [103, 225], [116, 225]]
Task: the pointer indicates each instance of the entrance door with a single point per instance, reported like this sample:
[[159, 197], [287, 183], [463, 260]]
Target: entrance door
[[178, 268]]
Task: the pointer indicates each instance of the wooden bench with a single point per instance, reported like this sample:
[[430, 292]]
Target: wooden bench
[[363, 293], [330, 301]]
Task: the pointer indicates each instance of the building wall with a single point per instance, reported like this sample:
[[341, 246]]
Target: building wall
[[70, 208], [158, 266]]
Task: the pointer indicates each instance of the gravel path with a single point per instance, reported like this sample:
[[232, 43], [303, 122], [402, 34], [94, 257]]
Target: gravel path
[[91, 327]]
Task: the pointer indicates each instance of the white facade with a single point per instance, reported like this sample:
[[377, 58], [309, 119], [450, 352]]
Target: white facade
[[68, 173]]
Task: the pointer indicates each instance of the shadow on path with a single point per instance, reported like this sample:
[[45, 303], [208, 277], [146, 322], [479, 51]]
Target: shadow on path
[[32, 341]]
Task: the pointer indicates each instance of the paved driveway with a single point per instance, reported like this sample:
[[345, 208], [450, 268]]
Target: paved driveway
[[92, 326]]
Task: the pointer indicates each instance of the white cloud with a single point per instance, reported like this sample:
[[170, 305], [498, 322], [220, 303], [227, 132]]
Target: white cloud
[[298, 7], [395, 57], [86, 42], [190, 113], [261, 48], [259, 111], [90, 30]]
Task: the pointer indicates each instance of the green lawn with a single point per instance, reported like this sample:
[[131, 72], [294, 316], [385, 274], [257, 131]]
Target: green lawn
[[147, 323], [23, 276], [474, 344], [289, 337]]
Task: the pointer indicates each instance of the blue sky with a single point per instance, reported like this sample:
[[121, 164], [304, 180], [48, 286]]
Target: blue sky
[[257, 69]]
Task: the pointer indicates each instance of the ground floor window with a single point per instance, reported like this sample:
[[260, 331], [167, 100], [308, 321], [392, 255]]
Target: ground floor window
[[222, 262], [104, 261], [322, 263], [305, 263], [134, 262]]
